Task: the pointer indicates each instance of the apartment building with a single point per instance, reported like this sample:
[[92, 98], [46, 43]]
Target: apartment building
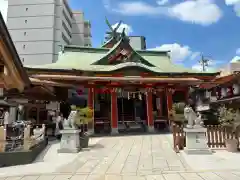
[[39, 28], [3, 9], [138, 42]]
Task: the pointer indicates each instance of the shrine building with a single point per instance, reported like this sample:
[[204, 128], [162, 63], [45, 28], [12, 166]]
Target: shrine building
[[125, 87]]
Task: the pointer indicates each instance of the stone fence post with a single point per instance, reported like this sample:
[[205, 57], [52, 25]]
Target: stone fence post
[[3, 133], [27, 138]]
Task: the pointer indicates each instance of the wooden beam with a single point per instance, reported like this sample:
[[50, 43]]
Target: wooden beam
[[51, 83], [118, 79], [10, 70]]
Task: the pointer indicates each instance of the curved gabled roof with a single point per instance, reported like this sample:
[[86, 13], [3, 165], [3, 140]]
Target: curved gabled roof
[[96, 60], [122, 44]]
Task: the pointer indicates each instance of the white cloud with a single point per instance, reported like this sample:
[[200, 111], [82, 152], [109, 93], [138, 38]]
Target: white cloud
[[231, 2], [177, 52], [203, 12], [236, 57], [238, 51], [137, 8], [162, 2], [128, 28], [4, 9], [235, 4], [194, 55], [197, 67], [180, 53], [213, 65]]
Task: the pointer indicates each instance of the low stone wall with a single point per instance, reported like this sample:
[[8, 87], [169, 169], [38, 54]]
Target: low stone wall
[[22, 157]]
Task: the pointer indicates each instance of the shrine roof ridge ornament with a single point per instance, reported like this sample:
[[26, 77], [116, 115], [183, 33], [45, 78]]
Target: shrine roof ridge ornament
[[113, 33]]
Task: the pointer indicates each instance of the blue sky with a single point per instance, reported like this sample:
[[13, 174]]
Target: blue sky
[[186, 27]]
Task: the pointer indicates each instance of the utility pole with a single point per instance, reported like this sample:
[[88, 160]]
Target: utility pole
[[204, 63]]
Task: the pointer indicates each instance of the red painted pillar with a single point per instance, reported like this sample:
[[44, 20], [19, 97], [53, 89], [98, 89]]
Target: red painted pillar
[[149, 102], [169, 101], [114, 112]]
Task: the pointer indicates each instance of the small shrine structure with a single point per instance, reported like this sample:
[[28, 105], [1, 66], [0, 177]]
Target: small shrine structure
[[224, 89]]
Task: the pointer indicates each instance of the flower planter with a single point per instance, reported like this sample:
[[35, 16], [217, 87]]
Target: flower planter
[[84, 140], [179, 118], [231, 145]]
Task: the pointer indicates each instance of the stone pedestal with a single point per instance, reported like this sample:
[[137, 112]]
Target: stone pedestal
[[114, 131], [69, 141], [90, 132], [150, 129], [196, 141]]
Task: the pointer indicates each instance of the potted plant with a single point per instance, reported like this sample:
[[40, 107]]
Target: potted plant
[[83, 117], [154, 115], [177, 112], [230, 119]]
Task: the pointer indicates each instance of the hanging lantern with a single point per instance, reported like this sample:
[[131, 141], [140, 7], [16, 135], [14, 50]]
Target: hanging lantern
[[230, 91], [133, 94], [171, 90], [149, 89], [207, 94], [139, 96], [235, 89], [122, 94], [191, 90], [119, 90], [223, 92], [218, 93], [154, 91]]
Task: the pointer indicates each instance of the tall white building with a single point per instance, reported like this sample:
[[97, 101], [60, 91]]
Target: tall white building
[[3, 8], [39, 28]]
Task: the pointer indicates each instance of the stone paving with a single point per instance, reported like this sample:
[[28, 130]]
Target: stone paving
[[129, 155], [164, 176], [146, 157]]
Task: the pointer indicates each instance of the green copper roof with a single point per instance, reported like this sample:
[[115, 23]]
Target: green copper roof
[[86, 59]]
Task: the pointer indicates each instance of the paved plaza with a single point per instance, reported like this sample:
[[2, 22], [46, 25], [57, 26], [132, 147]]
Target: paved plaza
[[143, 157]]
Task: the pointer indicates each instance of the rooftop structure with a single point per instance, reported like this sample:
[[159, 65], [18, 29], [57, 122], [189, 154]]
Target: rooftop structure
[[137, 42], [39, 28]]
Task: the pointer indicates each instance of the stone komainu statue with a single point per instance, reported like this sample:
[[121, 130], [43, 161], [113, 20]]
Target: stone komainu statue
[[78, 116], [194, 121], [70, 122]]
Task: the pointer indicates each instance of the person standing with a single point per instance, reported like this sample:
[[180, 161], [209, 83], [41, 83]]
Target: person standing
[[59, 125], [53, 122], [6, 119]]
